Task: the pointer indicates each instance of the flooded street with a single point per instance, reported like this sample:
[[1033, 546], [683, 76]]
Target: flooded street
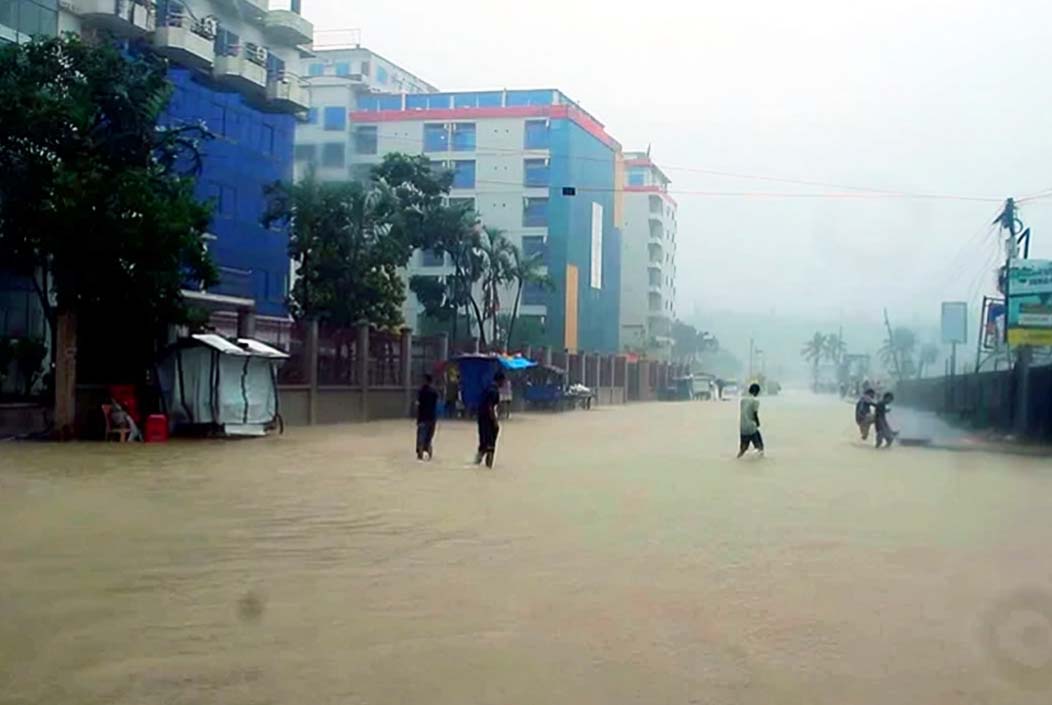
[[614, 556]]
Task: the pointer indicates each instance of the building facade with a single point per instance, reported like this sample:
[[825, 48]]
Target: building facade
[[648, 270], [533, 164], [233, 64], [335, 79]]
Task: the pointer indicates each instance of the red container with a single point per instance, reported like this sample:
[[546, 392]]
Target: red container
[[156, 428]]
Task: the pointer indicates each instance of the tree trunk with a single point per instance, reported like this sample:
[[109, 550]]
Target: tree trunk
[[514, 315], [478, 318], [65, 374]]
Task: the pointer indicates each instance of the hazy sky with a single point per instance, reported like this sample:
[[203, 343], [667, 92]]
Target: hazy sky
[[948, 97]]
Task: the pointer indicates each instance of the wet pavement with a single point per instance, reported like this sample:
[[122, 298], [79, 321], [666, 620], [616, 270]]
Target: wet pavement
[[614, 556]]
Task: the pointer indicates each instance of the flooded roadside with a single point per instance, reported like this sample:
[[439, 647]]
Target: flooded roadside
[[646, 566]]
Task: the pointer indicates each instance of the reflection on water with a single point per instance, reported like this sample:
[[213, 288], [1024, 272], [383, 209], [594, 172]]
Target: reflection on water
[[614, 556]]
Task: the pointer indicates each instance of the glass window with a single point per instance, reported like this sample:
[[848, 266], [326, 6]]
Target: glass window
[[343, 68], [438, 102], [316, 69], [465, 100], [381, 74], [436, 137], [389, 102], [464, 137], [439, 168], [365, 68], [368, 103], [535, 213], [536, 173], [305, 152], [416, 102], [333, 155], [533, 294], [536, 134], [519, 98], [335, 118], [637, 176], [226, 43], [533, 245], [490, 99], [430, 258], [365, 139], [312, 116], [464, 173]]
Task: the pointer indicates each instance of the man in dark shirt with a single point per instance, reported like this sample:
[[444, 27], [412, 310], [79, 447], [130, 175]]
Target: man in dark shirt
[[885, 434], [489, 427], [426, 418]]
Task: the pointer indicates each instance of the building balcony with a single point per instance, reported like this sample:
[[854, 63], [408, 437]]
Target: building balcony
[[251, 10], [121, 17], [287, 93], [287, 27], [186, 42], [243, 70]]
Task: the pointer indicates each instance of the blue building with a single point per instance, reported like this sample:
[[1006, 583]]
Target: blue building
[[532, 163], [233, 64]]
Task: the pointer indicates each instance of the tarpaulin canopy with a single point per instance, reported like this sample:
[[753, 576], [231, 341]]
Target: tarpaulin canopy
[[210, 380]]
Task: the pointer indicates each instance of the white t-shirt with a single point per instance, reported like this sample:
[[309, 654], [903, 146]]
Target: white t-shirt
[[750, 406]]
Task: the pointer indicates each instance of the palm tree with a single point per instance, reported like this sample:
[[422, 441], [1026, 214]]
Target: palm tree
[[835, 348], [813, 351], [929, 353], [496, 251], [897, 351], [525, 270]]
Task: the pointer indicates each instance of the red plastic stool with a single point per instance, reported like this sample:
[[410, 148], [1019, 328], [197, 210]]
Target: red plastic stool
[[156, 428]]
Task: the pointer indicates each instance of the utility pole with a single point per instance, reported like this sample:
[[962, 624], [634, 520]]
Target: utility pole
[[892, 348], [1009, 220]]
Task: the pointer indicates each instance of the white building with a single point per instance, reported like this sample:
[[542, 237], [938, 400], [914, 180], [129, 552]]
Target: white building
[[336, 79], [648, 262]]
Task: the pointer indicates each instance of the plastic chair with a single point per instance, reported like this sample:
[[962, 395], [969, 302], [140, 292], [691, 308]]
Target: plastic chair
[[120, 433]]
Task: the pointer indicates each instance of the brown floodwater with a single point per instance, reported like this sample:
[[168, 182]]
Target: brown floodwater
[[613, 556]]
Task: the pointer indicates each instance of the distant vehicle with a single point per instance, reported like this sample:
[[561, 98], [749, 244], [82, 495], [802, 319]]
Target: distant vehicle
[[730, 390]]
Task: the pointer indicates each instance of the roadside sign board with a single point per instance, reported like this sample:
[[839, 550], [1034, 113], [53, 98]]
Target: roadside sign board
[[954, 322], [1030, 302]]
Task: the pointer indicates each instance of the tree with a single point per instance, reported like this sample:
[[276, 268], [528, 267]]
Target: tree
[[899, 348], [685, 341], [525, 271], [835, 348], [96, 199], [346, 256], [813, 351], [929, 353]]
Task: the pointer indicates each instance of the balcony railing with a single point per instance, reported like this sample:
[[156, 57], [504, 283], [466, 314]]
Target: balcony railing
[[186, 40], [287, 92], [242, 68]]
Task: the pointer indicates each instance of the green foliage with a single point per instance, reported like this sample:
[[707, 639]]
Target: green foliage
[[342, 244], [96, 200]]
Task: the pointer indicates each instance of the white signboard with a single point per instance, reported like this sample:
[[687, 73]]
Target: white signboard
[[954, 322], [597, 246]]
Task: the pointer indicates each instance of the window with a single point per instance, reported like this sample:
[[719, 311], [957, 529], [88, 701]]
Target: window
[[316, 69], [534, 245], [365, 139], [465, 203], [533, 294], [536, 134], [430, 258], [29, 17], [436, 137], [343, 68], [536, 173], [637, 177], [275, 67], [381, 74], [520, 98], [335, 118], [464, 173], [365, 68], [306, 152], [226, 43], [535, 213], [312, 116], [464, 137], [333, 155]]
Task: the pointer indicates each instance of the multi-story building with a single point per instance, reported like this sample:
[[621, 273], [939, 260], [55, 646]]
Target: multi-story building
[[537, 166], [336, 78], [648, 261], [233, 66]]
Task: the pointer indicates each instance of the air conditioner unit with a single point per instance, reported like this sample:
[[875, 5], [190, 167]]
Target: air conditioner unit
[[257, 54], [209, 27]]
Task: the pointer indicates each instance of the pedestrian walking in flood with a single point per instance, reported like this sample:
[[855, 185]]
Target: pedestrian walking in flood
[[489, 424], [885, 434], [426, 418], [864, 412], [750, 421]]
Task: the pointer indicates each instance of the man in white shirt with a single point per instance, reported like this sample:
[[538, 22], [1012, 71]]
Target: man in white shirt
[[750, 421]]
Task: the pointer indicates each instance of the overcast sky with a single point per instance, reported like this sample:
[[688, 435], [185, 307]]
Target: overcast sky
[[948, 97]]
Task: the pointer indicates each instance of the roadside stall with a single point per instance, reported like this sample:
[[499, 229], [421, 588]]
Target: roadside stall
[[211, 383]]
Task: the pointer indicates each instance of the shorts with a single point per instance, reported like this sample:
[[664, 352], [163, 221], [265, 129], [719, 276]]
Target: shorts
[[754, 439], [425, 434]]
